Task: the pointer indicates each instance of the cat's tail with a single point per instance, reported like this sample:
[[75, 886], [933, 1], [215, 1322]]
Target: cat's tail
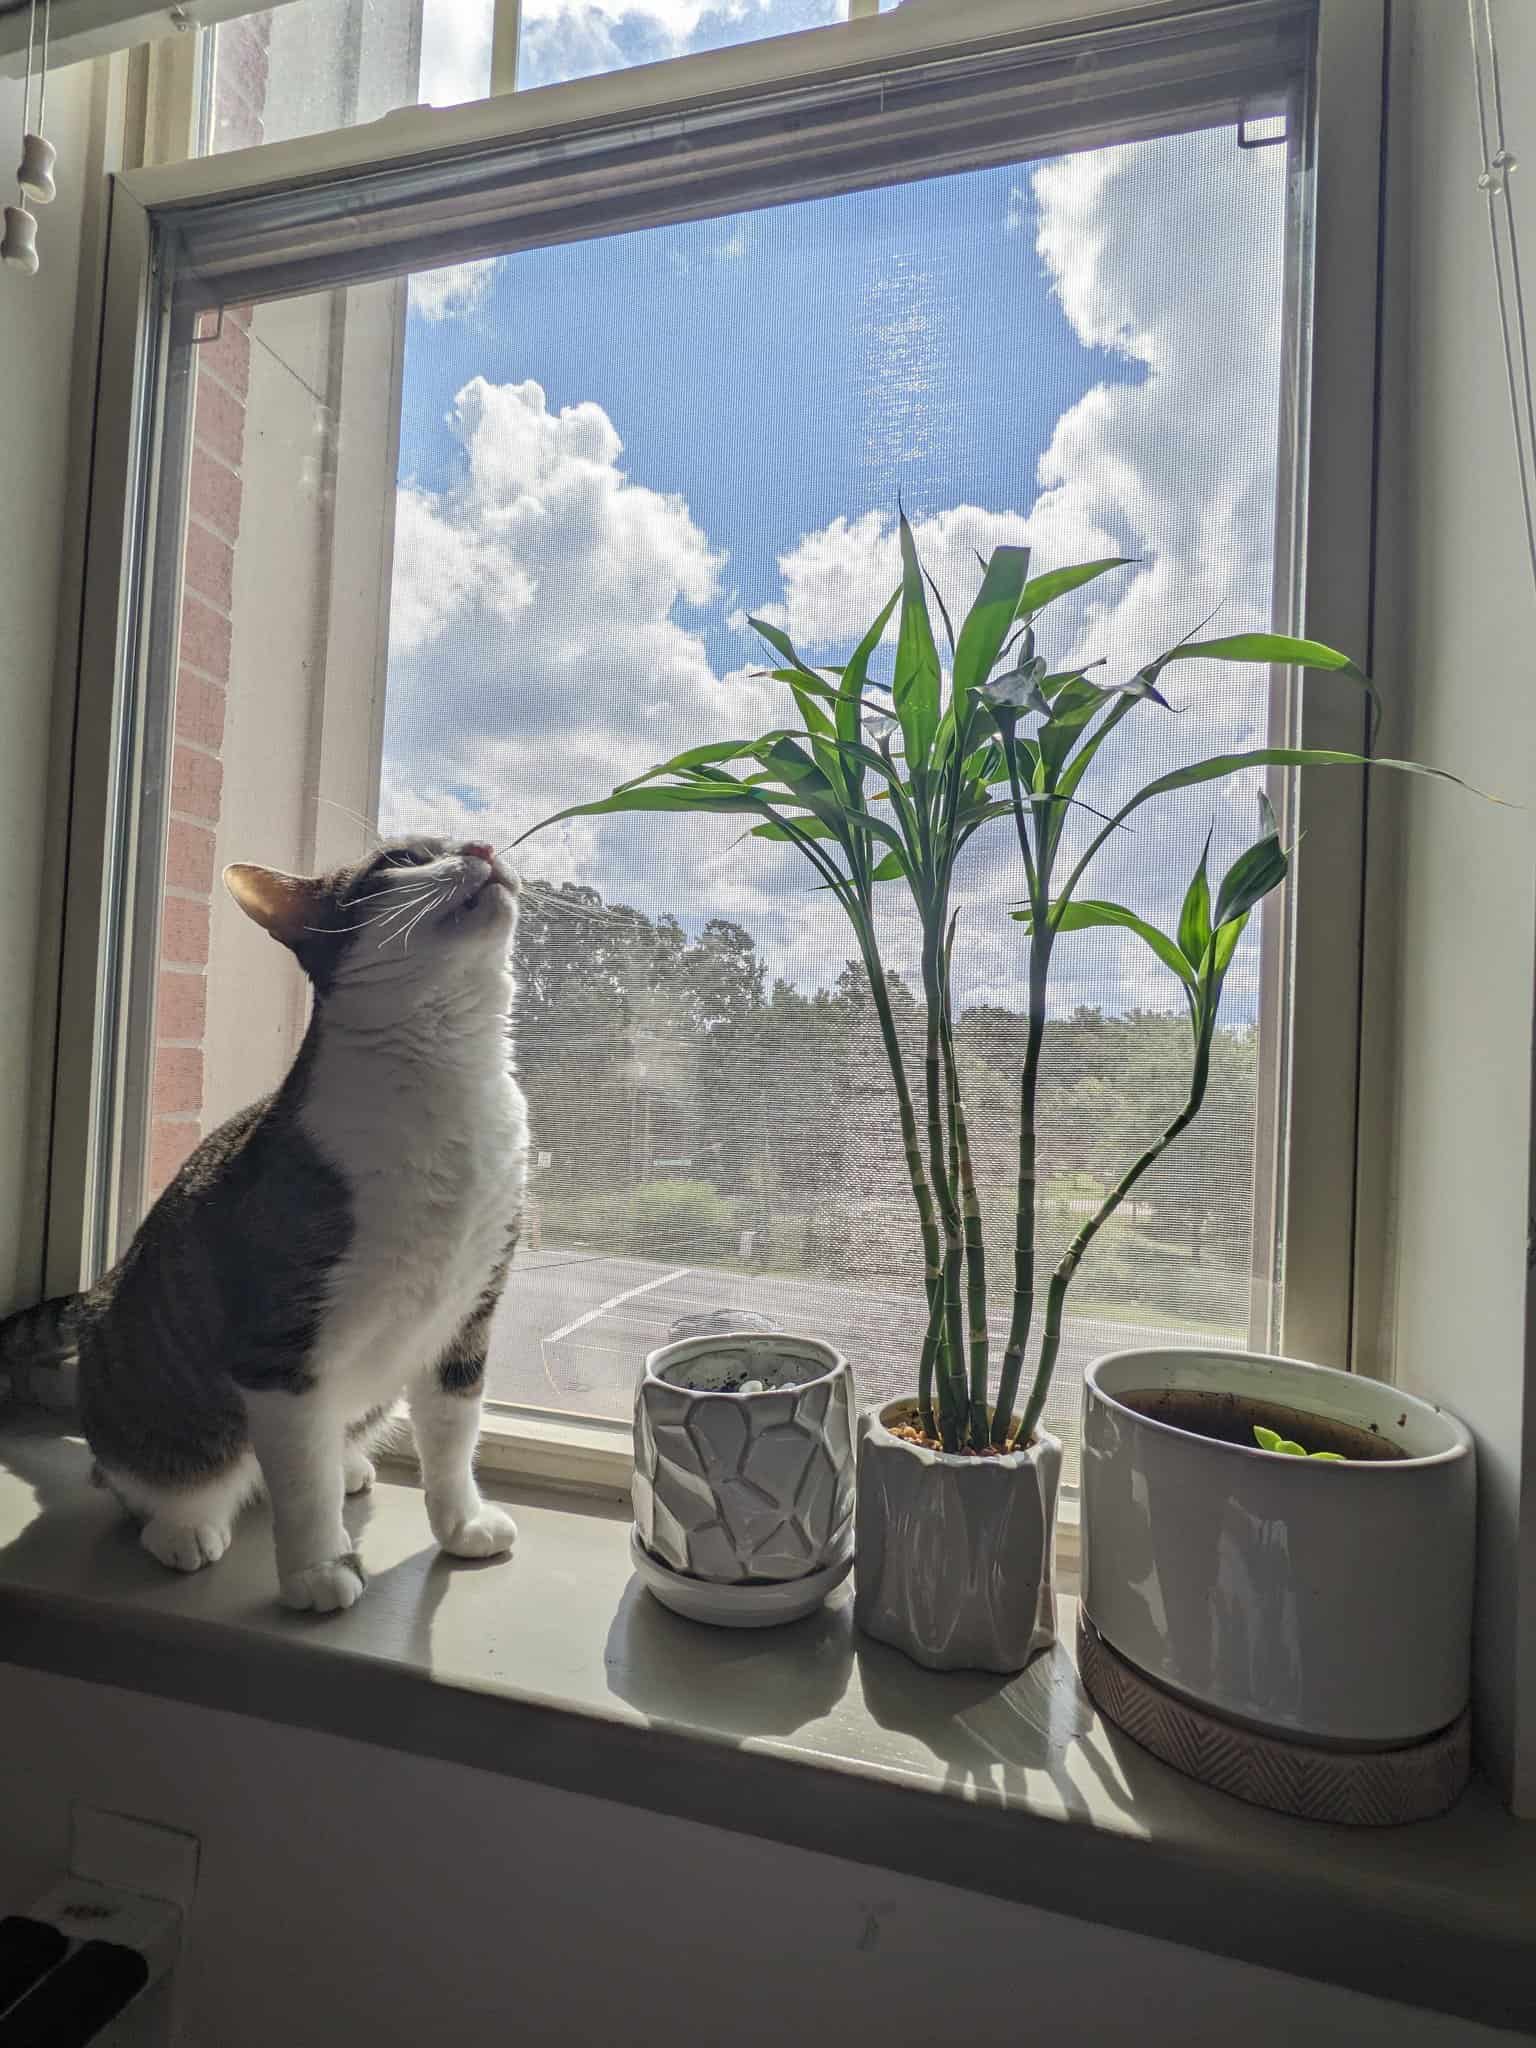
[[37, 1353]]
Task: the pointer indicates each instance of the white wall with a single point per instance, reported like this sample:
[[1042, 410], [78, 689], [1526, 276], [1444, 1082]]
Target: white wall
[[37, 328], [349, 1895], [1456, 630]]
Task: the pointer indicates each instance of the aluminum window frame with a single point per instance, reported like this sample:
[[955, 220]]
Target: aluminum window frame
[[1331, 384]]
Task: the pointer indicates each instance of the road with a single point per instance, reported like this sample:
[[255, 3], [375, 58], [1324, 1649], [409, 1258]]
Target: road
[[574, 1328]]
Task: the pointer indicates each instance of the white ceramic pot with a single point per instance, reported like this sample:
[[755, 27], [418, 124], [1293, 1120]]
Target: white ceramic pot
[[953, 1554], [733, 1487], [1328, 1602]]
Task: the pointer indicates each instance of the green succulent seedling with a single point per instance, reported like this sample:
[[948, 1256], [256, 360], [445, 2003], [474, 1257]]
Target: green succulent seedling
[[882, 785], [1272, 1440]]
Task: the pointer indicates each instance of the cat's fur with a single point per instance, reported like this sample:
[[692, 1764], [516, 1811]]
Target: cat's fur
[[336, 1244]]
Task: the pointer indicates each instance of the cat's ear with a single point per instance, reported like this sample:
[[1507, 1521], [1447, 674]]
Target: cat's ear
[[285, 905]]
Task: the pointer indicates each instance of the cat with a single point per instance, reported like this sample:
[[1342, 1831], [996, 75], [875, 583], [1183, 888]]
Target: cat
[[340, 1242]]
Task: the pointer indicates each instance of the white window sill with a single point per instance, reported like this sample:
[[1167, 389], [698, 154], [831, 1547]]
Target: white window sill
[[557, 1667]]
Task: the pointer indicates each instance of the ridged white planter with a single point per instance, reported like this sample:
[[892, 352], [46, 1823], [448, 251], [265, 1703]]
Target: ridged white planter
[[952, 1558], [734, 1488], [1329, 1603]]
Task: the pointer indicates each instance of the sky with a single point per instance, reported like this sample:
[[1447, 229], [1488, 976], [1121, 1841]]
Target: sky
[[611, 452]]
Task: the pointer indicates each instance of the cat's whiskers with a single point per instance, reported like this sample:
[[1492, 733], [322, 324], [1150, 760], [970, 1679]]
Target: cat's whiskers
[[395, 889], [357, 818], [404, 931], [399, 917], [416, 891], [543, 897]]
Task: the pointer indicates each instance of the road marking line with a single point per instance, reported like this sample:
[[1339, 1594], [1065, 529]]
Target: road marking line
[[613, 1301]]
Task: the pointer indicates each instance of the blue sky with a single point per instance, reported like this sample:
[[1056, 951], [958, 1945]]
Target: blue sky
[[820, 357], [611, 450]]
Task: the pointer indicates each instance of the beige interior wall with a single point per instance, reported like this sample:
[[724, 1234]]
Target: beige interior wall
[[350, 1895], [37, 330], [1452, 983]]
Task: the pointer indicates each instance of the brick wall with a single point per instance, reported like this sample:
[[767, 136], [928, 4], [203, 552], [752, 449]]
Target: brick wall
[[221, 371]]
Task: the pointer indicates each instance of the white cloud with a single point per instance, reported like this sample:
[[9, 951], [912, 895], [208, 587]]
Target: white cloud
[[455, 51], [453, 291], [545, 641], [539, 648]]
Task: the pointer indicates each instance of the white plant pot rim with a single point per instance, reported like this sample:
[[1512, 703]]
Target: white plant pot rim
[[684, 1348], [1319, 1376], [875, 1418]]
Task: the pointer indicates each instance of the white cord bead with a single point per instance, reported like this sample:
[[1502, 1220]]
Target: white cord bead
[[34, 174], [19, 244]]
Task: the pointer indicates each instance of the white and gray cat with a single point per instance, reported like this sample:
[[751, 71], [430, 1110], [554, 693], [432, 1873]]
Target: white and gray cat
[[336, 1244]]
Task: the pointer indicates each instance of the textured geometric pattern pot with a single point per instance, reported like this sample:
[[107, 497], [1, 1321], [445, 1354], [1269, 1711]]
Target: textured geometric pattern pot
[[953, 1555], [732, 1486]]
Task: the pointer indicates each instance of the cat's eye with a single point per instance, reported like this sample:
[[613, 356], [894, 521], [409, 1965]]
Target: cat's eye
[[405, 857]]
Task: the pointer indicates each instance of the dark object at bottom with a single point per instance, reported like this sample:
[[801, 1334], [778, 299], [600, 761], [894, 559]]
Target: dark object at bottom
[[29, 1949], [1356, 1788], [73, 2003]]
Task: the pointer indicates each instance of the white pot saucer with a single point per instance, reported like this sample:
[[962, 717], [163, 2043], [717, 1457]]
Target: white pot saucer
[[764, 1603]]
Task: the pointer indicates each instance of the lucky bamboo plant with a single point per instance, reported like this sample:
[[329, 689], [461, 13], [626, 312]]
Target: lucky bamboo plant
[[887, 783]]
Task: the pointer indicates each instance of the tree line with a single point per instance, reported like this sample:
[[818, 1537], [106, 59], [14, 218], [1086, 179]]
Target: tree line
[[679, 1097]]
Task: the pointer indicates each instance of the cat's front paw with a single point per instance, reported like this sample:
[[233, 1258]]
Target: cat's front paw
[[325, 1588], [358, 1472], [487, 1532], [184, 1546]]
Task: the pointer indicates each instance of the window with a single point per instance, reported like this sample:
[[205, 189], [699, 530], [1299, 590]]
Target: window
[[311, 65], [447, 545]]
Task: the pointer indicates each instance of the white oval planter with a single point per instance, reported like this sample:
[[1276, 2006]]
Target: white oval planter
[[953, 1554], [1328, 1603], [734, 1488]]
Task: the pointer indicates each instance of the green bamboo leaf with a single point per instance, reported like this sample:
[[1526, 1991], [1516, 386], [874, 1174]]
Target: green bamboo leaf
[[987, 623], [693, 796], [781, 643], [855, 673], [787, 758], [805, 828], [1252, 875], [915, 686], [1281, 649], [1276, 649], [937, 596], [701, 757], [1086, 915], [1040, 592], [1220, 765], [891, 868], [817, 723], [1075, 704], [1077, 767], [1195, 916], [1223, 945]]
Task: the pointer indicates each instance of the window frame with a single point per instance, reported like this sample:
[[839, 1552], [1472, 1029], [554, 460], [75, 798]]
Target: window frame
[[1326, 1240]]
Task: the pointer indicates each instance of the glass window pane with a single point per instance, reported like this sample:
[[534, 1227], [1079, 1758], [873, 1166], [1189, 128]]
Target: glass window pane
[[312, 65], [467, 548], [561, 40], [317, 64]]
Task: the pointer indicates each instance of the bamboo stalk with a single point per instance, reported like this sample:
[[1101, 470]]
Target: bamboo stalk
[[1027, 1187], [975, 1244], [933, 1260]]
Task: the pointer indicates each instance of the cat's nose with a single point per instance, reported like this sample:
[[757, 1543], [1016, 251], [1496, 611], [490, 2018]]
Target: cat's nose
[[485, 853]]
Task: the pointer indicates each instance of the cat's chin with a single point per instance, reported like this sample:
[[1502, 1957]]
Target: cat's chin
[[491, 907]]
